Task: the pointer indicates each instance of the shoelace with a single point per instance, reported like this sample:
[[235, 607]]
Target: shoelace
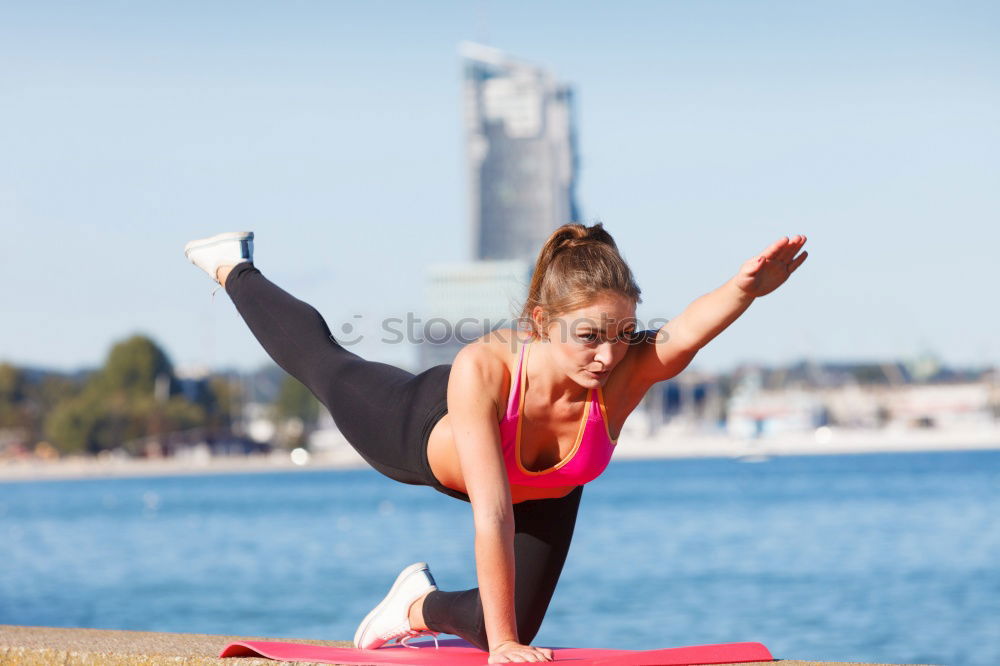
[[215, 290], [413, 633]]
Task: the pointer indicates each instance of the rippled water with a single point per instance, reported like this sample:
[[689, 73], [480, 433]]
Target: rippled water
[[889, 558]]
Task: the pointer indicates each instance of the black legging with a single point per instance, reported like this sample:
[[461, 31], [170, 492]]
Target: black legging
[[387, 415]]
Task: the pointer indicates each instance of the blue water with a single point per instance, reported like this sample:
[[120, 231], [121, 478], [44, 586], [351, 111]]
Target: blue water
[[889, 558]]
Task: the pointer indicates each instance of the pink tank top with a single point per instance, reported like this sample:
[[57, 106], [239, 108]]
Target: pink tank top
[[591, 451]]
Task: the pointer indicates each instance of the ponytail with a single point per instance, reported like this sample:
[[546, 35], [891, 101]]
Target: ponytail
[[576, 264]]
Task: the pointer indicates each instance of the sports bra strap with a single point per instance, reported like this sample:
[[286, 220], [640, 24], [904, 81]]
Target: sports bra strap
[[513, 401]]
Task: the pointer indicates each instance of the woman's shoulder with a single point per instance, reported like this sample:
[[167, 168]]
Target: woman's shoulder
[[501, 344], [488, 363], [494, 355]]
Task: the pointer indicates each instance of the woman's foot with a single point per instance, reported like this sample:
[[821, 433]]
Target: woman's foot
[[216, 255], [390, 619]]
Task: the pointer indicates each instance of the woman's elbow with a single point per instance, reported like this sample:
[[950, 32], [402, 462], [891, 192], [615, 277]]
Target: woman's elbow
[[492, 522]]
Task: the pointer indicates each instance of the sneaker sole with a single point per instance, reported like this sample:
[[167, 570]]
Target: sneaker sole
[[216, 240], [403, 575]]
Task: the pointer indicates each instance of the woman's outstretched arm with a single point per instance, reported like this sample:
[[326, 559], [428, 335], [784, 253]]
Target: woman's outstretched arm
[[681, 338]]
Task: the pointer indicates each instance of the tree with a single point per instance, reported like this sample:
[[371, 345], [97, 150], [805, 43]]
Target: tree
[[121, 402], [296, 401], [74, 425], [296, 409], [13, 407], [133, 367], [220, 399]]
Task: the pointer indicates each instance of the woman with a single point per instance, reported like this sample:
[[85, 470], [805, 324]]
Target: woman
[[515, 426]]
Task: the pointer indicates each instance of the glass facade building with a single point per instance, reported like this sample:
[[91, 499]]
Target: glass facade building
[[522, 168], [521, 151]]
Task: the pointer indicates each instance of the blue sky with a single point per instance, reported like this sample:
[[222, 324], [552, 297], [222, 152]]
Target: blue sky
[[332, 129]]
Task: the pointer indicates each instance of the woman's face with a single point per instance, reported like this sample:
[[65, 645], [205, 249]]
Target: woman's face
[[589, 342]]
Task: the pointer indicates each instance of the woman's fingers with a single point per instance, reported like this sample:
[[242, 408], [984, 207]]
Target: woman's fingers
[[526, 656], [520, 657], [521, 654], [775, 248], [798, 261], [787, 253], [538, 654]]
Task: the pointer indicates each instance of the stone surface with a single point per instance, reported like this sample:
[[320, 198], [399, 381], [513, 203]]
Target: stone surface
[[44, 646], [28, 646]]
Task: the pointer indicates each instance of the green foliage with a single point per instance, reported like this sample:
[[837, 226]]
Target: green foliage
[[218, 402], [13, 408], [51, 391], [12, 384], [133, 366], [296, 401], [121, 403], [133, 397], [178, 413], [73, 426]]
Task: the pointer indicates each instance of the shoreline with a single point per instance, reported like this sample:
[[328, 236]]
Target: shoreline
[[664, 445]]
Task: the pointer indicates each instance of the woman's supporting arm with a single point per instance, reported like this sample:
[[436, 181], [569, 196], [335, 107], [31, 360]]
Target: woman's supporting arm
[[472, 410]]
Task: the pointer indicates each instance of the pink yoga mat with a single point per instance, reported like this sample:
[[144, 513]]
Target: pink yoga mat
[[456, 652]]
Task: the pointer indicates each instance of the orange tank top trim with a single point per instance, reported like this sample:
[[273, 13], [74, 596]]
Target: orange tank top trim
[[587, 459]]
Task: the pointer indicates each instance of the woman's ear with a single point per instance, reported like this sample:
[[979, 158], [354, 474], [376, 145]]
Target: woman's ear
[[539, 319]]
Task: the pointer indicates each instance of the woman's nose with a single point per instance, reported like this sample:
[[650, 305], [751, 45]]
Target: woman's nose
[[604, 354]]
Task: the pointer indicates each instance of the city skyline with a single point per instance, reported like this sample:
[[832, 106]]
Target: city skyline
[[331, 131]]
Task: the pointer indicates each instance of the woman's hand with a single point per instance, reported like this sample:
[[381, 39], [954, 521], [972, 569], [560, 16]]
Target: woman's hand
[[766, 272], [511, 651]]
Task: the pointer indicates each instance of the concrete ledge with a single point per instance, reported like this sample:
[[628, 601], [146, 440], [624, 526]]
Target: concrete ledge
[[43, 646], [31, 646]]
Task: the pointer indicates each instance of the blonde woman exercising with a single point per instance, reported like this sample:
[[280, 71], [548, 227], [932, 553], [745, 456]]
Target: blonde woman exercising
[[516, 426]]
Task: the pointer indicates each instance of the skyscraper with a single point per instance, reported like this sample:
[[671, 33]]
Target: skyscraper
[[522, 164], [521, 151]]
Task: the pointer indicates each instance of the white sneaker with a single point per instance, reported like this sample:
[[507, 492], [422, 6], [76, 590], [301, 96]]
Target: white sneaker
[[390, 618], [220, 250]]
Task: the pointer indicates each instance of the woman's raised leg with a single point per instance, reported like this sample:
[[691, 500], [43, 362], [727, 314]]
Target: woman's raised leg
[[292, 332], [381, 409]]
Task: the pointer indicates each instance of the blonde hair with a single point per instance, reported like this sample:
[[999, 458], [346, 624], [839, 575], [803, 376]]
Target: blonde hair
[[575, 265]]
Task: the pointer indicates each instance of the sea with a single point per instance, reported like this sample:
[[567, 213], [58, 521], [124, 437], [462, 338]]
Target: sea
[[890, 558]]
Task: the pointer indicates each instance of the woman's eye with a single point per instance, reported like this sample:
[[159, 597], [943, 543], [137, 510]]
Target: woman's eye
[[627, 338], [588, 337]]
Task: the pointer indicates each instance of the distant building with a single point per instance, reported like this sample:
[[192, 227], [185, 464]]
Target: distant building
[[522, 164], [521, 149], [467, 299], [477, 290]]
